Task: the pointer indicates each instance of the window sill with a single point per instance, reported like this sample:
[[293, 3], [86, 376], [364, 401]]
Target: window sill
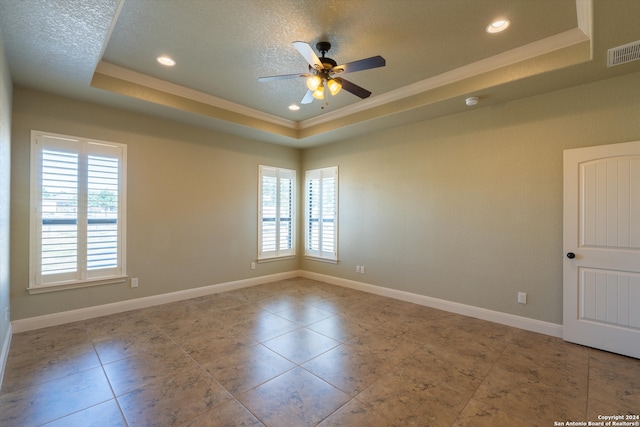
[[327, 260], [275, 258], [75, 285]]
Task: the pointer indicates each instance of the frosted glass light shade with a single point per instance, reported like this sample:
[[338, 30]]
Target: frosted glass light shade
[[319, 93], [313, 82], [334, 86]]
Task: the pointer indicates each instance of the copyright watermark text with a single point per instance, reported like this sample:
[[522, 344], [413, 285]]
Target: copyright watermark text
[[631, 420]]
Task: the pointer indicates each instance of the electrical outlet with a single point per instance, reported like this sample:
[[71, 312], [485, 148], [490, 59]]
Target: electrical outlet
[[134, 282], [362, 269], [522, 297], [253, 265], [357, 269], [6, 314]]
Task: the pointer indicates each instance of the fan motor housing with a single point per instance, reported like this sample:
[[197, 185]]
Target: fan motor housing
[[328, 63]]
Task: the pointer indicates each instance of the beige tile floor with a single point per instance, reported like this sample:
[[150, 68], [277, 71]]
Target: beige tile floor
[[303, 353]]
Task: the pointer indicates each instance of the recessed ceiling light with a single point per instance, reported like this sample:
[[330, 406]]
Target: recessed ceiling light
[[165, 60], [498, 26], [294, 107]]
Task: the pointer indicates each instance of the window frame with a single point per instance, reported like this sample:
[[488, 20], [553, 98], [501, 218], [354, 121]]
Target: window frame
[[319, 253], [85, 275], [279, 174]]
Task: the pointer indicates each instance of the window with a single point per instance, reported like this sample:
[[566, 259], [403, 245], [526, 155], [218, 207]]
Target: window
[[78, 212], [321, 214], [277, 213]]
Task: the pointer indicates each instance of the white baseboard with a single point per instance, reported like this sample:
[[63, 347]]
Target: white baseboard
[[4, 352], [547, 328], [54, 319]]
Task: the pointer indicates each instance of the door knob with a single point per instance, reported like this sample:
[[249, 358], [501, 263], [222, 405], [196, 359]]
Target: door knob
[[571, 255]]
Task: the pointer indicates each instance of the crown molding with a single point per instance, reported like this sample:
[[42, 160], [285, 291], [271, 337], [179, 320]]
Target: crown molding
[[295, 129], [550, 44], [125, 74]]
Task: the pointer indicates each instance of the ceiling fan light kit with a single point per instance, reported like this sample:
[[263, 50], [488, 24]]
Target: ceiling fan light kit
[[322, 71]]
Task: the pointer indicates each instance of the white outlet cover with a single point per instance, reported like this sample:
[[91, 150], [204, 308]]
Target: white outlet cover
[[522, 297]]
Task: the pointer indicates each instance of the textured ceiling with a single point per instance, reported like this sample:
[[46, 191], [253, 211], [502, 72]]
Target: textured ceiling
[[437, 52], [225, 56]]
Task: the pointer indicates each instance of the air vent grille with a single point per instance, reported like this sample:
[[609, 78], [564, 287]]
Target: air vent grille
[[623, 54]]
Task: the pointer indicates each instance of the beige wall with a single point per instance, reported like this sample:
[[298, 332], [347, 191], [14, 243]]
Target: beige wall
[[468, 208], [5, 175], [192, 201]]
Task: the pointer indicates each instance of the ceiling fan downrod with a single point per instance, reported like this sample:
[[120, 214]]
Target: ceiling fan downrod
[[327, 63]]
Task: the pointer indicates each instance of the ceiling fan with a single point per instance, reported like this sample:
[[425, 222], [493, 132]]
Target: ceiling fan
[[320, 77]]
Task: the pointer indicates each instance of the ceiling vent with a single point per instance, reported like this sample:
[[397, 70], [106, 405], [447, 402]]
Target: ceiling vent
[[623, 54]]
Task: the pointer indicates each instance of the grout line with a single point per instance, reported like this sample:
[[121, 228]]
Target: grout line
[[115, 397], [375, 328]]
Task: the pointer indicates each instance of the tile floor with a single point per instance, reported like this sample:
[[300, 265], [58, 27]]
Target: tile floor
[[304, 353]]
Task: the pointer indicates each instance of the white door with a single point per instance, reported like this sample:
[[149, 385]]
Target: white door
[[602, 247]]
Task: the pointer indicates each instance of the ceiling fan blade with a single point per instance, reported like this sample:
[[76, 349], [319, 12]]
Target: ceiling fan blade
[[308, 98], [309, 55], [363, 64], [353, 88], [282, 77]]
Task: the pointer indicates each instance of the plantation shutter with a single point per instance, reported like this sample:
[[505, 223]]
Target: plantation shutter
[[286, 210], [102, 212], [276, 217], [321, 215], [78, 216], [59, 222]]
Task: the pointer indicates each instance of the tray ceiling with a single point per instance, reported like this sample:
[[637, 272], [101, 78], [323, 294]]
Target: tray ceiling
[[437, 54]]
